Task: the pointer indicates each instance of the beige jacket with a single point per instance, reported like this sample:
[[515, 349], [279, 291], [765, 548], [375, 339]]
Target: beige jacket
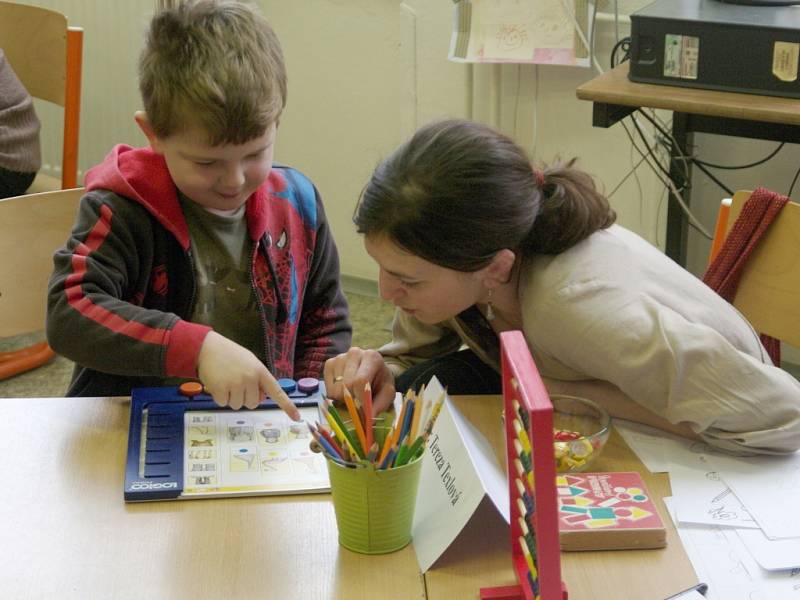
[[614, 308]]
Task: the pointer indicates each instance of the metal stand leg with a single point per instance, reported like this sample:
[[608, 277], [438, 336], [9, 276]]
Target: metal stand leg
[[680, 173]]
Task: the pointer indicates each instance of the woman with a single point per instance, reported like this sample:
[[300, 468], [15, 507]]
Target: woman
[[20, 157], [471, 240]]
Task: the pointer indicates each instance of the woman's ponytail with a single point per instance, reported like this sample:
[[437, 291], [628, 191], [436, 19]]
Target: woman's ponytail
[[570, 210]]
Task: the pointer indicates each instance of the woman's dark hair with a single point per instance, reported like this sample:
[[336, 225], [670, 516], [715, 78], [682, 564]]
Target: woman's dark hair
[[458, 192]]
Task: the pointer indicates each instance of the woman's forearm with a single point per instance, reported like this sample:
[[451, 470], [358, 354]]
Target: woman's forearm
[[617, 404]]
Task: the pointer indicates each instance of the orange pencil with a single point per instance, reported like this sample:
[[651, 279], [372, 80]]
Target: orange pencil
[[368, 414], [351, 408], [387, 443]]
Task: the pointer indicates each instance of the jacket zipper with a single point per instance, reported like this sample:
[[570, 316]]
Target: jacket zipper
[[251, 269]]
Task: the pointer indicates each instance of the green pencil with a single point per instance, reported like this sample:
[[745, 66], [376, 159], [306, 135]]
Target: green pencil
[[352, 440]]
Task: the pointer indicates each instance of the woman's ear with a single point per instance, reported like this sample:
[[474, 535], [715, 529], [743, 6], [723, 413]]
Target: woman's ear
[[500, 269], [144, 124]]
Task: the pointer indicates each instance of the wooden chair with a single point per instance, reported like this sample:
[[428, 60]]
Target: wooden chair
[[47, 56], [769, 290], [32, 228]]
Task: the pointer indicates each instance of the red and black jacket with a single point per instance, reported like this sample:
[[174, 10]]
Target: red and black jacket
[[123, 287]]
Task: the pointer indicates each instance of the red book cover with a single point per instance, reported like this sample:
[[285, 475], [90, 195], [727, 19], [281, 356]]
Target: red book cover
[[607, 511]]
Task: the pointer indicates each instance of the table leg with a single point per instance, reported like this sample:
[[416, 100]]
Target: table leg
[[680, 173]]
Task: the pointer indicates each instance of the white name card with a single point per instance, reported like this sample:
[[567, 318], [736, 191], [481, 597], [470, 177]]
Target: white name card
[[458, 470]]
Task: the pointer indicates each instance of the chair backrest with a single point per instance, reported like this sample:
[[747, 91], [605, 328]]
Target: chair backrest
[[47, 56], [769, 290], [32, 228]]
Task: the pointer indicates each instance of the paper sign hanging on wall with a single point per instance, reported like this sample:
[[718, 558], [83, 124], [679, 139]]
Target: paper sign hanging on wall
[[515, 31]]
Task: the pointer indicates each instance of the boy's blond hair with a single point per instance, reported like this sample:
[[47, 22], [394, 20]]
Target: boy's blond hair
[[213, 64]]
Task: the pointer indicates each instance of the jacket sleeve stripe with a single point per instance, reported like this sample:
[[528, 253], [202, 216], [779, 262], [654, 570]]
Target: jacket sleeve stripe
[[84, 305]]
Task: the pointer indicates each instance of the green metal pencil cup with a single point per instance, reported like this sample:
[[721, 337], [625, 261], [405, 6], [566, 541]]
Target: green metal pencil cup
[[374, 509]]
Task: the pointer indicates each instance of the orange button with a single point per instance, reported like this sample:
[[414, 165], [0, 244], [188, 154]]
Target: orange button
[[191, 388]]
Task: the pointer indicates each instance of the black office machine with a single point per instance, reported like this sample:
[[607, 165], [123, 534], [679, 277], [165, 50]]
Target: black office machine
[[717, 45]]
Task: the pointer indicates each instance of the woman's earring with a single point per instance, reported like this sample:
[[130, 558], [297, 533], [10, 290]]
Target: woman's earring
[[489, 309]]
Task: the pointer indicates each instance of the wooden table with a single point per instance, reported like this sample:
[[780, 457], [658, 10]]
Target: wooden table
[[614, 97], [66, 532]]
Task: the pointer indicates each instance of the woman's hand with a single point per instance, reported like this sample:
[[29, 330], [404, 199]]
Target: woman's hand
[[353, 369]]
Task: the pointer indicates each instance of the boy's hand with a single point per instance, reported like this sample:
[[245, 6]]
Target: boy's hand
[[353, 370], [235, 377]]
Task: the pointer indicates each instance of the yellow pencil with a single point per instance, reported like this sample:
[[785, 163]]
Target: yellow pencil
[[419, 407], [351, 408], [437, 408], [368, 433], [338, 431]]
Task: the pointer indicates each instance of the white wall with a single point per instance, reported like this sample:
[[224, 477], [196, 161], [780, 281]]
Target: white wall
[[364, 73]]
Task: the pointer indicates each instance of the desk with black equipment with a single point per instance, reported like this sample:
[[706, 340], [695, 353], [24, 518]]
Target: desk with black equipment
[[614, 97]]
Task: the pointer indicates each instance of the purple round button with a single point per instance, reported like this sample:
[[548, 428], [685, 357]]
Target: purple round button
[[308, 385]]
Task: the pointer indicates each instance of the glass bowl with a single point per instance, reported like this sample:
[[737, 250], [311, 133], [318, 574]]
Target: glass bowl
[[580, 431]]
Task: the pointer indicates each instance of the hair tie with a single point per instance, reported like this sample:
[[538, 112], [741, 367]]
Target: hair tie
[[539, 176]]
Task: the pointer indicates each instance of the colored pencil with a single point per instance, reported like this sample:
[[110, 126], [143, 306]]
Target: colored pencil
[[368, 433], [329, 439], [349, 444], [373, 452], [348, 436], [400, 457], [406, 426], [387, 444], [335, 427], [400, 420], [354, 416], [437, 408], [335, 414], [413, 449], [386, 463], [419, 408], [323, 442]]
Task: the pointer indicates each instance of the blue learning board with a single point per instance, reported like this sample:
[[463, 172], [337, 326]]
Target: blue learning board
[[244, 452]]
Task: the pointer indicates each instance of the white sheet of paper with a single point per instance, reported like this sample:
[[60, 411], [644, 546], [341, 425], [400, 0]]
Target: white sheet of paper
[[518, 31], [721, 560], [769, 486], [648, 446], [657, 449], [701, 497], [773, 555], [691, 595], [458, 470]]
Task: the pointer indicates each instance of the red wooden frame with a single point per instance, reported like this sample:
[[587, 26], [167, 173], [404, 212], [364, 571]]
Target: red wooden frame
[[531, 461]]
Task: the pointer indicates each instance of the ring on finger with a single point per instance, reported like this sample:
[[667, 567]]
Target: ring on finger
[[338, 378]]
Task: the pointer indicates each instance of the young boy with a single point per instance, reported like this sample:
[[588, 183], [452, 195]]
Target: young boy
[[196, 257]]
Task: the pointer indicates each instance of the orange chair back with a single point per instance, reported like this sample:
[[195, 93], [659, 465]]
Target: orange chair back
[[47, 56]]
